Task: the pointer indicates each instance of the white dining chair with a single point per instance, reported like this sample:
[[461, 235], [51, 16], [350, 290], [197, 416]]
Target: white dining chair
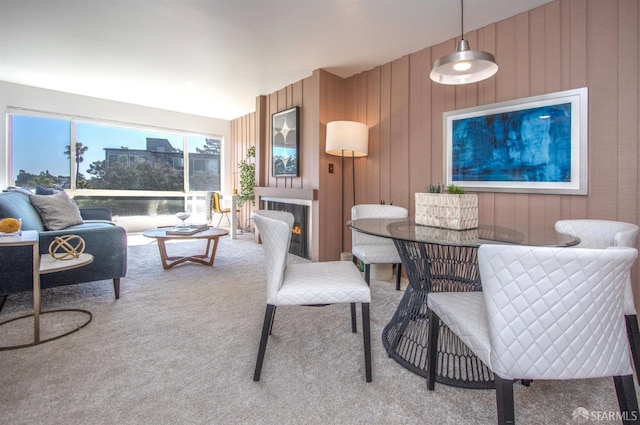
[[543, 313], [306, 284], [373, 249], [602, 234]]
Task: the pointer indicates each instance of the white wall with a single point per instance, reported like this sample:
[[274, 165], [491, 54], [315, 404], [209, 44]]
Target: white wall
[[21, 96]]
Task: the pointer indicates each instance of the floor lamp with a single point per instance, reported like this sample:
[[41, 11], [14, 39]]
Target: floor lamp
[[347, 138]]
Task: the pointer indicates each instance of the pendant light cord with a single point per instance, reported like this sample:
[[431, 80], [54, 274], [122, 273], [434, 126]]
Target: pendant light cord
[[462, 19]]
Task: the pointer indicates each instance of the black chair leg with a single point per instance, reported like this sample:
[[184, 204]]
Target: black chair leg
[[366, 337], [3, 299], [626, 393], [398, 275], [273, 316], [354, 326], [504, 401], [367, 273], [116, 288], [432, 349], [266, 326], [633, 334]]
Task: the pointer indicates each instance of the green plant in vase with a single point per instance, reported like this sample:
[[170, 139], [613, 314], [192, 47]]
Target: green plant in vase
[[448, 207], [247, 169], [455, 189], [434, 188]]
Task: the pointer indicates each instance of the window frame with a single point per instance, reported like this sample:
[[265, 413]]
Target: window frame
[[186, 193]]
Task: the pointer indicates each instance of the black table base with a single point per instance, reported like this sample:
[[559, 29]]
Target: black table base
[[435, 268]]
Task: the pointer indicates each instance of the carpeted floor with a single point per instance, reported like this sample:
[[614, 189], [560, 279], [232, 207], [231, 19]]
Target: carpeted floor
[[179, 347]]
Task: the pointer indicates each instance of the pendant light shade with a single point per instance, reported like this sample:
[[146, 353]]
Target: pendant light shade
[[464, 66]]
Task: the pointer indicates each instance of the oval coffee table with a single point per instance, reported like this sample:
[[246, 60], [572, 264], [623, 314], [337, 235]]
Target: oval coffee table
[[211, 235]]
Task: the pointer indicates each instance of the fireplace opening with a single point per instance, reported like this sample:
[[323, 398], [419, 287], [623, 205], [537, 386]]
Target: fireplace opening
[[300, 228]]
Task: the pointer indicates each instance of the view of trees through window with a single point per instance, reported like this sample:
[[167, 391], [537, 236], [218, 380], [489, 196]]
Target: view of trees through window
[[109, 158]]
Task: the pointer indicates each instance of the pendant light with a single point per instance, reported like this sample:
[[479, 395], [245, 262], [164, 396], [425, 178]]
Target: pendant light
[[464, 66]]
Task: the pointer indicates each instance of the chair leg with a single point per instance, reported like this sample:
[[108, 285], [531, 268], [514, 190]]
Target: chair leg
[[354, 326], [266, 326], [398, 275], [626, 393], [3, 299], [220, 220], [366, 337], [116, 288], [504, 401], [633, 334], [367, 273], [273, 316], [432, 349]]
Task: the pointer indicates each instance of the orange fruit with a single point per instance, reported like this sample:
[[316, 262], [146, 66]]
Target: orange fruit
[[9, 225]]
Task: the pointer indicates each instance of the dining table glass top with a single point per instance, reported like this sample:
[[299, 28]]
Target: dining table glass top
[[407, 230]]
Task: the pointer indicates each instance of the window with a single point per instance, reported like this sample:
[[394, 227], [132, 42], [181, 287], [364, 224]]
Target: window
[[109, 158], [204, 163], [40, 153], [121, 148]]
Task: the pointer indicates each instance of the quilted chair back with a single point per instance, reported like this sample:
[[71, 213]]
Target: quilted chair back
[[602, 234], [275, 233], [556, 313], [374, 211]]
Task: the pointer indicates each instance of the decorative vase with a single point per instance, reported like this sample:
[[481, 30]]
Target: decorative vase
[[448, 211]]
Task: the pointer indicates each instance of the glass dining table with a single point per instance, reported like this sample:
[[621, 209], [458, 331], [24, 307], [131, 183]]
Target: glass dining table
[[437, 260]]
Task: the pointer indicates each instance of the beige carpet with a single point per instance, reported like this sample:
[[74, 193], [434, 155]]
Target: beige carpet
[[179, 347]]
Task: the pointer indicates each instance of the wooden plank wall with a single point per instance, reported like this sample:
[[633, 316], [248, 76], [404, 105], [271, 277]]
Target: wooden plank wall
[[334, 205], [562, 45], [305, 94], [243, 136]]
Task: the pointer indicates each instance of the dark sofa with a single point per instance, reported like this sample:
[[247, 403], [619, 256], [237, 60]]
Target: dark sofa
[[104, 240]]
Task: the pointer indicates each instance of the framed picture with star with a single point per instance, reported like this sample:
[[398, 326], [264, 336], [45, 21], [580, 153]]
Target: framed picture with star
[[285, 154]]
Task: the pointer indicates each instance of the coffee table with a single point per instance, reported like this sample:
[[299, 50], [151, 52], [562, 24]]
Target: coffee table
[[211, 235]]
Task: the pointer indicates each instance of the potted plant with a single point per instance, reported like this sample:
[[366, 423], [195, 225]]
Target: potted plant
[[453, 210], [247, 169]]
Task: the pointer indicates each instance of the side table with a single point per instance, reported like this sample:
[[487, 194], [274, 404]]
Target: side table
[[43, 264]]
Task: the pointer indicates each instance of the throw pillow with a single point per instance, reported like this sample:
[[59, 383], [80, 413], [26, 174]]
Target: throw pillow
[[40, 190], [57, 211]]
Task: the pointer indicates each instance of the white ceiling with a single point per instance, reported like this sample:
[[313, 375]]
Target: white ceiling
[[213, 57]]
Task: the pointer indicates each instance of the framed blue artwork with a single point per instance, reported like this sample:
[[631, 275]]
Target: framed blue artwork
[[532, 145]]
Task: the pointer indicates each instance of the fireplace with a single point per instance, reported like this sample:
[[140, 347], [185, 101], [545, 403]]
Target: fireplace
[[300, 234]]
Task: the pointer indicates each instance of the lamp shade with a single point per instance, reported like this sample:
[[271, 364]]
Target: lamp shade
[[348, 138], [464, 66]]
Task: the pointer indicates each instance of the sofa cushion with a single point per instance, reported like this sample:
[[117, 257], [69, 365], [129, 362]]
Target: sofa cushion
[[17, 205], [57, 211], [19, 189]]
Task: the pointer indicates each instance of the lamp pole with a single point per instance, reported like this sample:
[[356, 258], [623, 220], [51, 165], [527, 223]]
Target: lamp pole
[[343, 137]]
